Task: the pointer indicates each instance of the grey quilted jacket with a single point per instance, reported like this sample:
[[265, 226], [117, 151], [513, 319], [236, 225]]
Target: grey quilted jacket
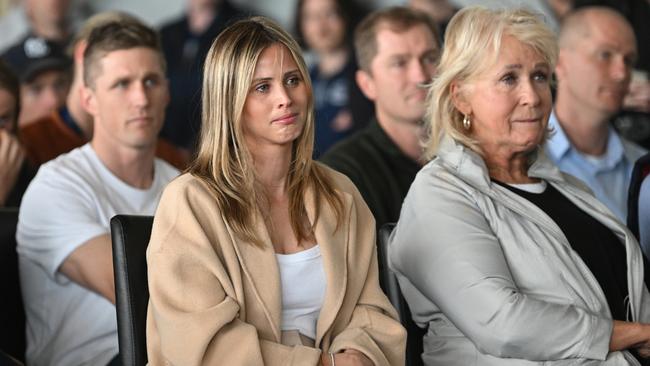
[[494, 277]]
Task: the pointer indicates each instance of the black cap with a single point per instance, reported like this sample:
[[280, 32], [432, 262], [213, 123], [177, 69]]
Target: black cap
[[35, 55]]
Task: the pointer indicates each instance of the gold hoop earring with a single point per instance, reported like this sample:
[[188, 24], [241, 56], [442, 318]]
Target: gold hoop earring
[[467, 123]]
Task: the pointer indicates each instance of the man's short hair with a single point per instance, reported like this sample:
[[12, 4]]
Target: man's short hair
[[398, 19], [113, 36], [95, 21]]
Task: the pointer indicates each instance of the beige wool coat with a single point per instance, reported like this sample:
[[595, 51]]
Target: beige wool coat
[[216, 300]]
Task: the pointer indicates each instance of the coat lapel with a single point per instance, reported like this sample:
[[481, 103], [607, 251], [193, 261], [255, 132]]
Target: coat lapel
[[261, 269], [333, 247], [260, 266]]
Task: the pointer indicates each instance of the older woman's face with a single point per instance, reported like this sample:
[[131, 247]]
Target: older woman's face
[[509, 104]]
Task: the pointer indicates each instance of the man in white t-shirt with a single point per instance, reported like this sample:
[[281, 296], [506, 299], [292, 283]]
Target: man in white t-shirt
[[63, 231]]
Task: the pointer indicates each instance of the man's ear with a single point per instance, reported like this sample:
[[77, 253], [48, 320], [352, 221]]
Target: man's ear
[[459, 98], [366, 84], [560, 66], [89, 100]]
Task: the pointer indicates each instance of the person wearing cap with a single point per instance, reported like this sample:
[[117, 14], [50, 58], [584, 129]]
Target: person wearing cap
[[43, 70], [70, 126]]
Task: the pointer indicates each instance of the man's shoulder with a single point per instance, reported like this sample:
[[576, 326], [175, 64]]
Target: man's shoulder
[[76, 161], [69, 172], [166, 171], [631, 150]]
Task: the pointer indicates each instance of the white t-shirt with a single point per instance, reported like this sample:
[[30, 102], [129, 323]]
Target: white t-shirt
[[70, 201], [303, 290]]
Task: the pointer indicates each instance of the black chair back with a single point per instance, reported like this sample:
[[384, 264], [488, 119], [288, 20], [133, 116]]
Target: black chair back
[[130, 235], [390, 285], [639, 172], [12, 312]]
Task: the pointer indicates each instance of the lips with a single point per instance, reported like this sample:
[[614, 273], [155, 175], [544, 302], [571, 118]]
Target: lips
[[528, 120], [140, 121], [286, 119]]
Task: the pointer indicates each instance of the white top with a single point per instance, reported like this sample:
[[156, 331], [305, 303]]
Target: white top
[[536, 188], [303, 290], [70, 201]]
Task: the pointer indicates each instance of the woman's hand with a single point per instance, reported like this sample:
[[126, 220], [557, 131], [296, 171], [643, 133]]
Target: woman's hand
[[349, 357]]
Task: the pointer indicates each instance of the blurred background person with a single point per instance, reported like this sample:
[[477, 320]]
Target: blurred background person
[[15, 173], [53, 20], [397, 49], [44, 73], [50, 19], [185, 42], [594, 68], [440, 11], [71, 126], [325, 28], [507, 260]]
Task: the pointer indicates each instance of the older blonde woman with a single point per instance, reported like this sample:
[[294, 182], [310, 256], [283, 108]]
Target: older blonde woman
[[507, 260], [259, 255]]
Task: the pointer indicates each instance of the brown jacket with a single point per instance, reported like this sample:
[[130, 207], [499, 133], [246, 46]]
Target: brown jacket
[[216, 300]]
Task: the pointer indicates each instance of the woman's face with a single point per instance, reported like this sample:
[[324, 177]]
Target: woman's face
[[322, 26], [276, 105], [509, 104]]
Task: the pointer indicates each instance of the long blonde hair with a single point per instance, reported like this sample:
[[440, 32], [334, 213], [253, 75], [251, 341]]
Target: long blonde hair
[[472, 44], [223, 160]]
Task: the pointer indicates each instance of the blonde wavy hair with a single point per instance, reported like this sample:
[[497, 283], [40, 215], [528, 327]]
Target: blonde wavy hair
[[472, 43], [223, 160]]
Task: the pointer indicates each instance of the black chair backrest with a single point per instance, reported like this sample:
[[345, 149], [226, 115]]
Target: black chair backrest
[[12, 313], [130, 235], [639, 172], [390, 285]]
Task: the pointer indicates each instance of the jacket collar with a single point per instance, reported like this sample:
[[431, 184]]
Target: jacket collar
[[559, 146], [261, 269], [470, 166]]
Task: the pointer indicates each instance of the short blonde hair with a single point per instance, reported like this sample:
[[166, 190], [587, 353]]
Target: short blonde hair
[[472, 43], [223, 160]]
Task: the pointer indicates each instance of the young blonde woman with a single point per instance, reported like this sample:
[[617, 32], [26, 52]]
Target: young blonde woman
[[259, 255]]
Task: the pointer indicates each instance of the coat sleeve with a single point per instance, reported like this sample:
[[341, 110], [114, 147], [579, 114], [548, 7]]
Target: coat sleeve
[[445, 248], [373, 328], [193, 314]]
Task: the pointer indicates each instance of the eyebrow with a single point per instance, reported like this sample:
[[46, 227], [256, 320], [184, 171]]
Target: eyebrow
[[520, 66], [257, 80]]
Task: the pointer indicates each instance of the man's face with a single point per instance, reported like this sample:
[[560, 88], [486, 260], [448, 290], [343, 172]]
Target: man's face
[[594, 73], [46, 93], [405, 61], [128, 98]]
